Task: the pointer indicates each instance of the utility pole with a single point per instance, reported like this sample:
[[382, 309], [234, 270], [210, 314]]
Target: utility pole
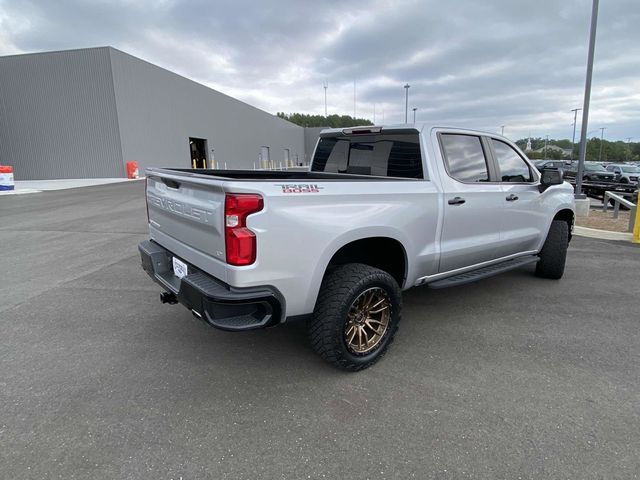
[[587, 98], [546, 141], [414, 114], [406, 103], [573, 139], [602, 129], [325, 85], [374, 113], [502, 130]]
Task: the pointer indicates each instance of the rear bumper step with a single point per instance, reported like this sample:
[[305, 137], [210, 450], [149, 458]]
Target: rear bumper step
[[215, 302], [484, 272]]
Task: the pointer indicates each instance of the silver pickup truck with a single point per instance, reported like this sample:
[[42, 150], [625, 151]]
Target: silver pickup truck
[[382, 209]]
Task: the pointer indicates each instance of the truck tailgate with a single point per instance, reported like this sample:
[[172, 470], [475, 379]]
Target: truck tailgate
[[188, 212]]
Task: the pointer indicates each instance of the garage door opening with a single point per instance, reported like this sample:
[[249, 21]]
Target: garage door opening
[[198, 151]]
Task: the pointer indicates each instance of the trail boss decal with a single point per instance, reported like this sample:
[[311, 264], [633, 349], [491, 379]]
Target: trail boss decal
[[299, 187]]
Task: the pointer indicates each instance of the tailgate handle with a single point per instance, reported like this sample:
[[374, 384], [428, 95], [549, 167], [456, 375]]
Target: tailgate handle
[[170, 183]]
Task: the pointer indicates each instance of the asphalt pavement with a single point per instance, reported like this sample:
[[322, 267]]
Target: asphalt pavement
[[511, 377]]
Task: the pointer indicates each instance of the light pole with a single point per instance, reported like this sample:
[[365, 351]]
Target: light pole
[[414, 114], [406, 102], [325, 85], [587, 98], [602, 129], [573, 139], [546, 141], [502, 130]]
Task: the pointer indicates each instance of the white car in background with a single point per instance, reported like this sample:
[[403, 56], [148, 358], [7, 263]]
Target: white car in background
[[625, 173]]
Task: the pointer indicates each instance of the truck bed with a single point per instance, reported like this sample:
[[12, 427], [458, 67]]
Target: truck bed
[[262, 175]]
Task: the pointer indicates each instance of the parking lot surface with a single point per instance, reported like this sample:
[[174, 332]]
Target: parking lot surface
[[511, 377]]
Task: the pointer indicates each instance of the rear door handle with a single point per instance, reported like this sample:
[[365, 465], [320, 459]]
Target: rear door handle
[[457, 201], [512, 198]]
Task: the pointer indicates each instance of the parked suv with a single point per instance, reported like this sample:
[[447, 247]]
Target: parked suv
[[624, 173], [593, 172], [542, 164]]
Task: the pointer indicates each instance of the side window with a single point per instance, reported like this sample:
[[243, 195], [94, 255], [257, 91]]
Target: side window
[[512, 166], [465, 157]]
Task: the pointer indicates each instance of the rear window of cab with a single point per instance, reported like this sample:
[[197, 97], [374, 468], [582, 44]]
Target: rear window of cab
[[393, 155]]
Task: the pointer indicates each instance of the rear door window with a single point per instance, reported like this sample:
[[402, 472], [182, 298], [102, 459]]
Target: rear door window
[[389, 155], [465, 158]]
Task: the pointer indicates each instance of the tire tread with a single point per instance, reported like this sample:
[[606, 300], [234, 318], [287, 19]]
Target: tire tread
[[554, 251], [338, 284]]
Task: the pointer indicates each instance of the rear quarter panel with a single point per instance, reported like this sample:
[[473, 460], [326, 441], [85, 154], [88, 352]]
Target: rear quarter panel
[[298, 233]]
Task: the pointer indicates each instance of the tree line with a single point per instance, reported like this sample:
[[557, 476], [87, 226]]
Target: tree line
[[611, 151], [617, 151], [332, 121]]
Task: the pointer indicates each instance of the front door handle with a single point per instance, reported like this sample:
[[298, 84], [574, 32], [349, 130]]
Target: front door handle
[[457, 201], [512, 198]]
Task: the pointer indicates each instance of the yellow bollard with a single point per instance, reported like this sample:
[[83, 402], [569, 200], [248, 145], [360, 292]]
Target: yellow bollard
[[636, 227]]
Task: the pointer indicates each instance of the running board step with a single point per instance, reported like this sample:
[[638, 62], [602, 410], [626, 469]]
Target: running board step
[[484, 272]]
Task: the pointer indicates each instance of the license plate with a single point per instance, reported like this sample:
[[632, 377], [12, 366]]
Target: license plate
[[179, 268]]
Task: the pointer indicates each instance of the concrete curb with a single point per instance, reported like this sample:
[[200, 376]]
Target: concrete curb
[[602, 234], [37, 186], [19, 191]]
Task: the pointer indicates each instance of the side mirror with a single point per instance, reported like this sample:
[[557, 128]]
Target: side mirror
[[549, 177]]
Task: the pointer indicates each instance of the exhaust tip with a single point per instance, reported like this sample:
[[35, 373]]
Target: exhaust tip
[[168, 297]]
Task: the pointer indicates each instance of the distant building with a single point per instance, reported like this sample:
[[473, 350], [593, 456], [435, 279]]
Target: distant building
[[565, 151], [85, 113]]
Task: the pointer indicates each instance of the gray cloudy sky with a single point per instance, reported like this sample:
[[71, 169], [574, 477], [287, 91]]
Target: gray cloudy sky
[[479, 64]]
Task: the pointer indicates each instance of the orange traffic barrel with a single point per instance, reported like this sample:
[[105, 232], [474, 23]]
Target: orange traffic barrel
[[6, 178], [132, 170]]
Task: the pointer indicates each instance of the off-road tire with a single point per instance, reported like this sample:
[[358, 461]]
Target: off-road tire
[[554, 251], [341, 286]]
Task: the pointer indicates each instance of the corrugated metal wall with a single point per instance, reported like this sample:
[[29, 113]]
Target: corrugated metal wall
[[159, 110], [58, 115]]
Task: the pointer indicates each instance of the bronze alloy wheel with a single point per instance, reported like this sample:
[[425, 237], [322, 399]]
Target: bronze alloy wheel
[[367, 320]]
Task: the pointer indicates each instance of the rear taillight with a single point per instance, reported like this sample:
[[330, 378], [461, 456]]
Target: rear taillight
[[240, 241]]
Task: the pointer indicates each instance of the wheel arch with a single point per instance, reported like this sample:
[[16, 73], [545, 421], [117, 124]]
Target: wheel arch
[[346, 250], [393, 260], [566, 215]]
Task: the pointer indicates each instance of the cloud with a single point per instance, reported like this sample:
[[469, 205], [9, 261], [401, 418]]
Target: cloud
[[469, 63]]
